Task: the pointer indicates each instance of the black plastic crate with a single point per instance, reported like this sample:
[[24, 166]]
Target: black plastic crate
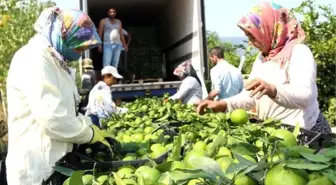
[[306, 137], [73, 161], [57, 178], [114, 165], [327, 140], [126, 148]]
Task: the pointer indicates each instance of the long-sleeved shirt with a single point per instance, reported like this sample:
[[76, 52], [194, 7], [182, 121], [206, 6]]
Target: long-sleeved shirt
[[190, 91], [101, 103], [226, 79], [296, 101], [42, 120]]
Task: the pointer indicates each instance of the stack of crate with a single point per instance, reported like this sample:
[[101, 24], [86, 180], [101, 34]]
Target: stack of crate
[[144, 56]]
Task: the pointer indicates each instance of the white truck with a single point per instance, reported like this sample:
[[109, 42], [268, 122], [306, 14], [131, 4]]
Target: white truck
[[181, 35]]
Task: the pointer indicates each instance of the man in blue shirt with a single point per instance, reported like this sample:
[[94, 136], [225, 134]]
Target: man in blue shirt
[[226, 79]]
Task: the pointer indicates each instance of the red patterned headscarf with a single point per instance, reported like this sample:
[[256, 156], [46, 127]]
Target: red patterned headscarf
[[276, 28]]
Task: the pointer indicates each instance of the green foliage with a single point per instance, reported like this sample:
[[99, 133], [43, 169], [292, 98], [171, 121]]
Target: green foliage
[[16, 28], [75, 65], [330, 112], [230, 52]]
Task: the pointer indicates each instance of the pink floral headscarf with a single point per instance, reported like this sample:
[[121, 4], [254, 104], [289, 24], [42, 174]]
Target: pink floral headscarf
[[183, 70], [276, 28]]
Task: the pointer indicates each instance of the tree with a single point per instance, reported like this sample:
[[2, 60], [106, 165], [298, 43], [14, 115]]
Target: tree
[[16, 27]]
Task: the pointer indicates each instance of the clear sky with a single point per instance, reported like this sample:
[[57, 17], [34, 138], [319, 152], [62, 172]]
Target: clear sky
[[222, 15]]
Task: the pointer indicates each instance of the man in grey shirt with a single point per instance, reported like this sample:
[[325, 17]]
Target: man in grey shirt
[[110, 32]]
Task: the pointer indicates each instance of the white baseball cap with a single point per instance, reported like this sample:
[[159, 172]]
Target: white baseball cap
[[111, 70]]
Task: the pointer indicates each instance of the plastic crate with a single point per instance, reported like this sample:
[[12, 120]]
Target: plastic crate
[[327, 140], [75, 164], [57, 178], [78, 161], [126, 148], [306, 137], [115, 165]]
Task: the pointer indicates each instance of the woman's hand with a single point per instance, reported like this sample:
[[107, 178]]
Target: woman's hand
[[260, 87], [165, 100], [125, 47], [215, 106]]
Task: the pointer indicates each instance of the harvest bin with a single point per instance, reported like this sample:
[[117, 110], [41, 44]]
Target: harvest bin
[[75, 160], [72, 161], [306, 137], [327, 140]]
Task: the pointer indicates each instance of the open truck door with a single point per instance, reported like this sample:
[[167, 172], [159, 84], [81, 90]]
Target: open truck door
[[178, 31]]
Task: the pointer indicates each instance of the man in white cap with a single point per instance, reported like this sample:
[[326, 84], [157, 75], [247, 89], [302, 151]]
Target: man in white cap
[[100, 103]]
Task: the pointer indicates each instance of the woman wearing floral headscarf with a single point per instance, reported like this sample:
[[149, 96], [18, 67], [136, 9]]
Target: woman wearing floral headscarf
[[43, 123], [190, 91], [282, 83]]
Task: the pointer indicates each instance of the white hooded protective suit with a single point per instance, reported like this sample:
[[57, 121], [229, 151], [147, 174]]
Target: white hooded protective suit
[[42, 121]]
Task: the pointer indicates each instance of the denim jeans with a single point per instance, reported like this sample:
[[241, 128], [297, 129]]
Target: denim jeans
[[95, 119], [111, 54]]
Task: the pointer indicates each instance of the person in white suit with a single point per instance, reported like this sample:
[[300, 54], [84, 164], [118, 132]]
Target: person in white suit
[[43, 123]]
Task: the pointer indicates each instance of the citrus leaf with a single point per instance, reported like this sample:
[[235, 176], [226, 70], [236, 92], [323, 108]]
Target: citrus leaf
[[118, 179], [219, 141], [263, 164], [244, 149], [236, 167], [267, 121], [177, 146], [65, 171], [206, 164], [242, 160], [187, 174], [331, 174], [296, 130], [259, 176], [249, 169], [316, 157], [294, 151], [163, 167], [308, 166], [329, 152], [76, 178], [165, 179]]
